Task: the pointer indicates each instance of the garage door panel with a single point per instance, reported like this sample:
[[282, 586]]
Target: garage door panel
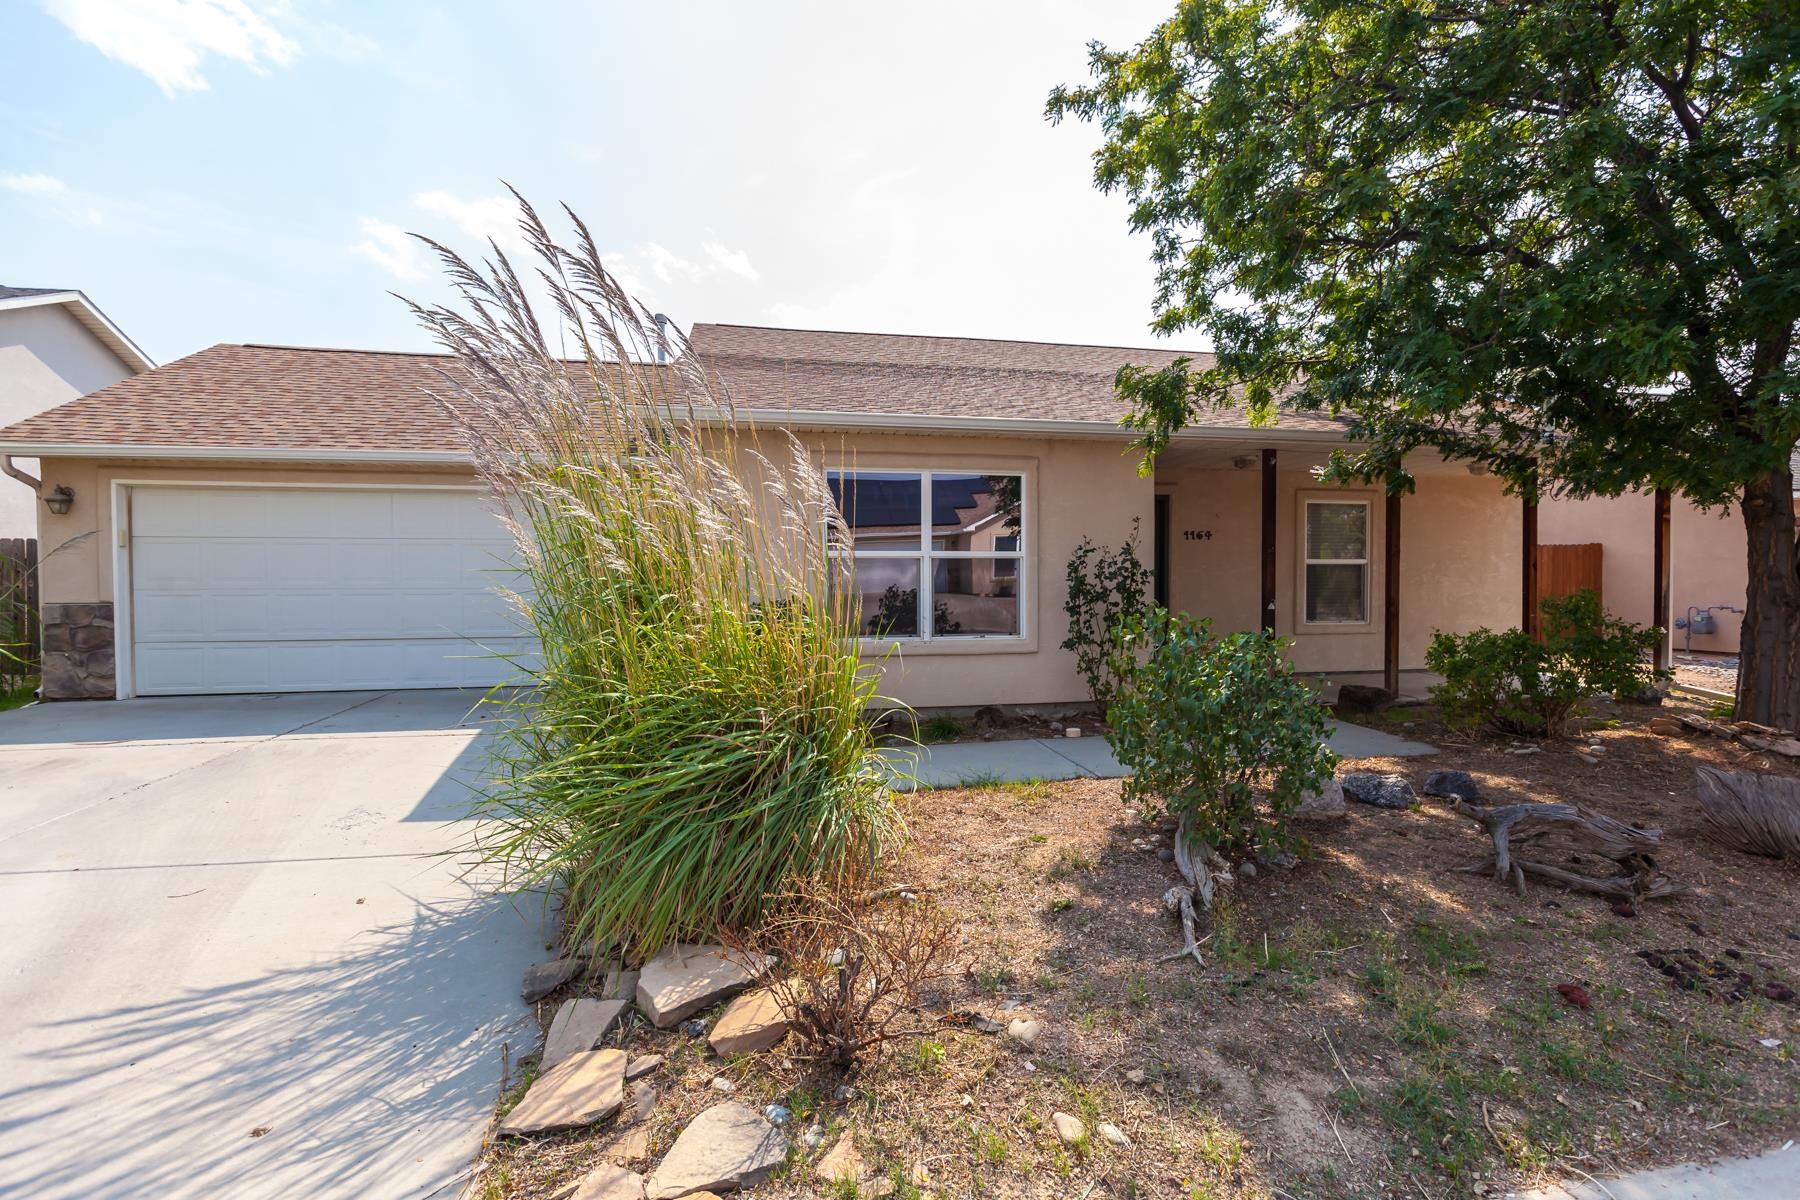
[[273, 589]]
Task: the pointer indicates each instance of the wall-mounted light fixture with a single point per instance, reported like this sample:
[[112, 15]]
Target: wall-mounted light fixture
[[59, 500], [1478, 468], [1244, 462]]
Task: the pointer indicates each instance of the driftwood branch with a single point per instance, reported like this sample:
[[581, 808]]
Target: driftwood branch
[[1748, 733], [1758, 814], [1203, 871], [1531, 839]]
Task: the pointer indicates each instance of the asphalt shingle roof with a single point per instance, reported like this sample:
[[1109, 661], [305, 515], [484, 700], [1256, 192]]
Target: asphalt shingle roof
[[298, 398]]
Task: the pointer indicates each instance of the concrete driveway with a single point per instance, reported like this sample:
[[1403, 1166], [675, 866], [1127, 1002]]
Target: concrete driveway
[[224, 915]]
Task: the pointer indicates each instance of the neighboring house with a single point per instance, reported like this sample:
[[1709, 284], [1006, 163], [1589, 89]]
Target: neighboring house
[[274, 518], [54, 346], [1708, 565]]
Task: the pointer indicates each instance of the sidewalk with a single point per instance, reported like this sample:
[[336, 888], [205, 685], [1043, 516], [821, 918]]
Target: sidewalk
[[1774, 1174], [955, 764]]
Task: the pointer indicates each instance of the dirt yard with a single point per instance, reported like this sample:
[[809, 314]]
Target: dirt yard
[[1368, 1023]]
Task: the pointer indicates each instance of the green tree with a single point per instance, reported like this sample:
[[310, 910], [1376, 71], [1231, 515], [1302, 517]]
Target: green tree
[[1561, 238]]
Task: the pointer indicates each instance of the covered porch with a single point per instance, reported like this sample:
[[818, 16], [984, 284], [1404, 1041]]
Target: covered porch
[[1354, 580]]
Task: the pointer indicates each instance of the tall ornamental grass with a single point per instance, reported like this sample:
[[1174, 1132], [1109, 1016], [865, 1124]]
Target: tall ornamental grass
[[695, 739]]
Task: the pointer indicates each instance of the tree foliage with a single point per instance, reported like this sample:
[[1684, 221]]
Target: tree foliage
[[1558, 237]]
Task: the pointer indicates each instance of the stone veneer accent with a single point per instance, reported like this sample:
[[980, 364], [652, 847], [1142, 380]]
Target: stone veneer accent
[[78, 652]]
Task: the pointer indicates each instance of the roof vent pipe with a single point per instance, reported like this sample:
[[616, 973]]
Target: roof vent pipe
[[662, 336]]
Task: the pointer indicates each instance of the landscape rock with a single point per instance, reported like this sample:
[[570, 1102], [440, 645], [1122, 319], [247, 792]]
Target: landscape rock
[[1458, 784], [1113, 1134], [1381, 791], [1665, 727], [608, 1181], [752, 1024], [632, 1145], [642, 1065], [578, 1025], [726, 1147], [1024, 1032], [643, 1103], [1136, 1076], [579, 1091], [620, 985], [543, 978], [684, 979], [1362, 698], [1069, 1130], [840, 1163], [1326, 804], [721, 1084]]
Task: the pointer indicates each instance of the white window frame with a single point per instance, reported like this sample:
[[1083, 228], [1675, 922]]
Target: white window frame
[[927, 554], [1365, 562]]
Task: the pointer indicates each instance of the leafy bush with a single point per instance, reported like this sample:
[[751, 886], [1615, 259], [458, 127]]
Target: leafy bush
[[694, 736], [1516, 684], [1108, 589], [1206, 723]]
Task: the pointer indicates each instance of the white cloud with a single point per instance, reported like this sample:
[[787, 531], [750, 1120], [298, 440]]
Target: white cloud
[[485, 217], [735, 261], [390, 247], [32, 184], [168, 40], [665, 263]]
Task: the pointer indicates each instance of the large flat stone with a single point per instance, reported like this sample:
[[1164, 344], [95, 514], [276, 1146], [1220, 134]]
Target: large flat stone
[[579, 1091], [578, 1025], [610, 1182], [543, 978], [682, 980], [753, 1023], [728, 1147]]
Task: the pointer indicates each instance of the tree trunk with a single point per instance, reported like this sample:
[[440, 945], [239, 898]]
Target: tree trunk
[[1769, 650]]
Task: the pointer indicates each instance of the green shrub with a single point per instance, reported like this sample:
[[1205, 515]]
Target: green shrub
[[1516, 684], [1206, 723], [694, 740], [1108, 589]]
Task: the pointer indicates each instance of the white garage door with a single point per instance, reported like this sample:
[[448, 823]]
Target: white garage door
[[319, 589]]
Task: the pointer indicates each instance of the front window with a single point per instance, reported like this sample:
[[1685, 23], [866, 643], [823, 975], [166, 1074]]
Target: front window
[[933, 554], [1337, 562]]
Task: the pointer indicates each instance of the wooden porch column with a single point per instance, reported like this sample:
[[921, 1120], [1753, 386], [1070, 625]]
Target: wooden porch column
[[1659, 605], [1390, 621], [1268, 540], [1528, 617]]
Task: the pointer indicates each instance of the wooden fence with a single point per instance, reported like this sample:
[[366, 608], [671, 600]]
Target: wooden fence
[[1565, 569], [20, 631]]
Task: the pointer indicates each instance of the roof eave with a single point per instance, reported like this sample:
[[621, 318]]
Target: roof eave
[[931, 423], [33, 449], [94, 321]]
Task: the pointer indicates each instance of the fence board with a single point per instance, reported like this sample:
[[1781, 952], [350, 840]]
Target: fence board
[[19, 625], [1562, 569]]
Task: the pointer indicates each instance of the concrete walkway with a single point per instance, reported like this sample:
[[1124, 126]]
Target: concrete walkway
[[957, 764], [232, 960], [1775, 1174]]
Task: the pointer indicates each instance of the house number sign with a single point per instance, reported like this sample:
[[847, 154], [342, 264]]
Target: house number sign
[[1196, 535]]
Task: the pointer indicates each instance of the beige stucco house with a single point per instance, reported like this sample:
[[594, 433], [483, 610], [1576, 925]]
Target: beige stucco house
[[262, 518], [55, 345]]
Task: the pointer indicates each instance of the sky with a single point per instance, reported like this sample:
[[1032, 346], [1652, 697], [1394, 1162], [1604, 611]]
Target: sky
[[247, 170]]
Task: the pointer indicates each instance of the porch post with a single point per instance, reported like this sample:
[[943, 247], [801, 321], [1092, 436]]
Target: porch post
[[1528, 617], [1268, 540], [1659, 604], [1390, 622]]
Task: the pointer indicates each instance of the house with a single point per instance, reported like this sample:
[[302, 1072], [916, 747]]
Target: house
[[55, 345], [277, 518]]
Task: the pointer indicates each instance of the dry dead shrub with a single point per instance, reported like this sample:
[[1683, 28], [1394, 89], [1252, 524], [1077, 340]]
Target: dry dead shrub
[[850, 965]]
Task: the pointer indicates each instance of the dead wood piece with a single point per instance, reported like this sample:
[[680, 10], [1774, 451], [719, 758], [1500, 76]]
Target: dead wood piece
[[1528, 838], [1758, 814], [1204, 871], [1787, 747]]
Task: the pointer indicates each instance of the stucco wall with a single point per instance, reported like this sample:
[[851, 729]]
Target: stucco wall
[[1459, 560], [47, 358], [1706, 558]]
